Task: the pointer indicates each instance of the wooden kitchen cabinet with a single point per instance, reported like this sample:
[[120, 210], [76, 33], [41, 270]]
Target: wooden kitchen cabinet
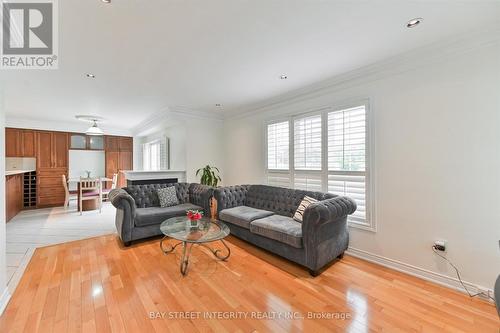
[[19, 143], [13, 142], [112, 143], [126, 144], [13, 195], [52, 163], [119, 157], [28, 144]]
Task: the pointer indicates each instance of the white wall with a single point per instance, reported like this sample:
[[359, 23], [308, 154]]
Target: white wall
[[437, 159], [194, 143], [4, 294], [81, 161]]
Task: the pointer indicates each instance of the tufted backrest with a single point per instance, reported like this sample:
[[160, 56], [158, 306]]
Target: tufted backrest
[[146, 195], [200, 195], [282, 201], [230, 196]]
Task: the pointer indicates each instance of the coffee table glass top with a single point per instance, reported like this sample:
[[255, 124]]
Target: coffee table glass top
[[206, 231]]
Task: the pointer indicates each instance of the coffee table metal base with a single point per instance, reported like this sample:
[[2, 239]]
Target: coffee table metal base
[[186, 252]]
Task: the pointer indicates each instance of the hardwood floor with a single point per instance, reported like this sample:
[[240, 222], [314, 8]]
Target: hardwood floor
[[96, 285], [40, 227]]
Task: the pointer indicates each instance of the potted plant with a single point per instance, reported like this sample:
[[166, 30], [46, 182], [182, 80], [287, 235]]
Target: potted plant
[[210, 176]]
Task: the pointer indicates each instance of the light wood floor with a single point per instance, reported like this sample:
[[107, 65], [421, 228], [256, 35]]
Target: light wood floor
[[95, 285]]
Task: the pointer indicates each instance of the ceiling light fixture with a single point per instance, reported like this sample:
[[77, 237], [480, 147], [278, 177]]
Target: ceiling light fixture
[[94, 130], [414, 22], [283, 77], [90, 76], [106, 1]]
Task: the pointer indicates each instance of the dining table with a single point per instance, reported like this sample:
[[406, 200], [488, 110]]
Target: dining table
[[87, 204]]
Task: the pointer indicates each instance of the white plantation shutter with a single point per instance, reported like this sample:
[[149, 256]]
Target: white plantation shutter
[[308, 181], [353, 187], [347, 158], [327, 151], [278, 154], [278, 137], [307, 143], [347, 139], [280, 179], [155, 155]]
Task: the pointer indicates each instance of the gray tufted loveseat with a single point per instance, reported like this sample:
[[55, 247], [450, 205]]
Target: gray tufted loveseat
[[138, 211], [262, 215]]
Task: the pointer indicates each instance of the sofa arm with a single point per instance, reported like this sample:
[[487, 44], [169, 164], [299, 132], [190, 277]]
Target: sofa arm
[[125, 213], [328, 210], [324, 230], [230, 196], [200, 195]]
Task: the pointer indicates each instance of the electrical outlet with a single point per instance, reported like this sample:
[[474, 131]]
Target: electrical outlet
[[440, 245]]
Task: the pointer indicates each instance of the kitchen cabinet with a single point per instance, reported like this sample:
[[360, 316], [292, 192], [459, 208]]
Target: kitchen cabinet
[[19, 143], [52, 163], [29, 147], [119, 157], [13, 195], [126, 144], [85, 142], [77, 141], [112, 143], [95, 142]]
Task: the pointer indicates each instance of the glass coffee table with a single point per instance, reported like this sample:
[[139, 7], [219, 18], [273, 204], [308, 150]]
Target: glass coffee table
[[205, 231]]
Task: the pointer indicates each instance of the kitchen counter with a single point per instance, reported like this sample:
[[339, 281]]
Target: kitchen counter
[[17, 172]]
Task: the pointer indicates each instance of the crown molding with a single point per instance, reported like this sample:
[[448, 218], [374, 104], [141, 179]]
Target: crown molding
[[66, 126], [408, 61], [171, 115]]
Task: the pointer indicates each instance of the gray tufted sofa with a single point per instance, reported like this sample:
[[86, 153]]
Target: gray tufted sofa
[[262, 215], [138, 211]]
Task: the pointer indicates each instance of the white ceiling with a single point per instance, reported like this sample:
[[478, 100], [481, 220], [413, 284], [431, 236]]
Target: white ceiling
[[156, 55]]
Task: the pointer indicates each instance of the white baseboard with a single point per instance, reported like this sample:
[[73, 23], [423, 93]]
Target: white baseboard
[[4, 299], [438, 278]]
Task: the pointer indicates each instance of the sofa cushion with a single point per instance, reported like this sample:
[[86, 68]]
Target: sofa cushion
[[167, 196], [243, 215], [156, 215], [281, 228], [299, 213]]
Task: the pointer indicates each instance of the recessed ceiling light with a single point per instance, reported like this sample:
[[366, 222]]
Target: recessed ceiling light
[[283, 77], [90, 76], [106, 1], [414, 22], [218, 105]]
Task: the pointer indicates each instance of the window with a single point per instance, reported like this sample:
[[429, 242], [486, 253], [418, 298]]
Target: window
[[278, 154], [328, 151], [307, 143], [277, 146], [155, 155], [347, 157]]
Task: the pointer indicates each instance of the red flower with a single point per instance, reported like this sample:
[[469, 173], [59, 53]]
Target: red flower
[[194, 215]]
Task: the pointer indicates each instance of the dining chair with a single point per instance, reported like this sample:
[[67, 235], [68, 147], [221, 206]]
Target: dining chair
[[105, 191], [69, 195], [90, 189]]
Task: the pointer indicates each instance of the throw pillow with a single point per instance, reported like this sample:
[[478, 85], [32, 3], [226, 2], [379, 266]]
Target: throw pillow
[[167, 196], [299, 213]]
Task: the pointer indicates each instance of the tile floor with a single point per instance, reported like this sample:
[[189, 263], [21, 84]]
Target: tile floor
[[41, 227]]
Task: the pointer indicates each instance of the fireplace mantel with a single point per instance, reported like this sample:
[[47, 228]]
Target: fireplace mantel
[[132, 175]]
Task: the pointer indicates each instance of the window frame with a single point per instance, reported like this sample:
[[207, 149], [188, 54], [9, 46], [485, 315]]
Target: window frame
[[370, 220]]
